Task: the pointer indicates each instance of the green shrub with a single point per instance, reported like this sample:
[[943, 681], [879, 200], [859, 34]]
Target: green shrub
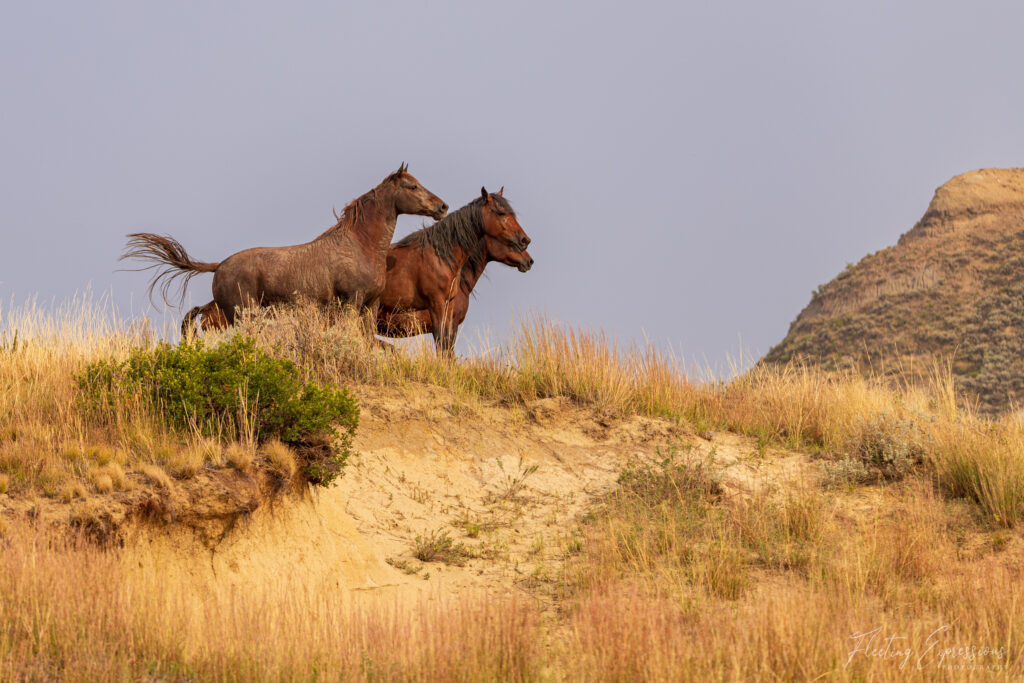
[[234, 386]]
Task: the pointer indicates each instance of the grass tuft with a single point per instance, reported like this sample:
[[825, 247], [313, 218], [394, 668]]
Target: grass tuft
[[103, 482], [239, 456], [439, 546], [280, 457], [157, 475]]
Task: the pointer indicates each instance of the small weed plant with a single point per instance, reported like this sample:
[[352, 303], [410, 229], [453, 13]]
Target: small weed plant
[[514, 482], [439, 546]]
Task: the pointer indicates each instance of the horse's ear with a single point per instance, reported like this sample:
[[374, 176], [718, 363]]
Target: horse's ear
[[501, 192], [404, 168], [485, 195]]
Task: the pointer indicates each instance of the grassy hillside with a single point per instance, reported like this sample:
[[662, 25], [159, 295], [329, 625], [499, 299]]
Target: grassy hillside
[[951, 287], [905, 518]]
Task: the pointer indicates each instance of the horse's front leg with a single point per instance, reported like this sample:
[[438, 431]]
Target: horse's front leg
[[448, 341], [444, 330]]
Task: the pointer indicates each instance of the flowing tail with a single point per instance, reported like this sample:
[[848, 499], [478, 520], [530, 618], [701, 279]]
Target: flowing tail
[[168, 255]]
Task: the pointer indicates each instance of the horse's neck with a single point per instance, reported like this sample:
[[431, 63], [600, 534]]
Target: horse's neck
[[372, 227], [470, 273], [377, 227]]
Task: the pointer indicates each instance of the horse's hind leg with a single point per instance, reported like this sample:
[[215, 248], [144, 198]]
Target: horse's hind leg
[[213, 318], [188, 324], [233, 292], [210, 317]]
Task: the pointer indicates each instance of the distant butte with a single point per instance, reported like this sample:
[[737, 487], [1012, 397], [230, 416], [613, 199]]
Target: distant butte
[[952, 287]]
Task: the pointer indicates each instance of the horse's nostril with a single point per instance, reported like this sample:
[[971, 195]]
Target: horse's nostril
[[444, 207], [526, 242]]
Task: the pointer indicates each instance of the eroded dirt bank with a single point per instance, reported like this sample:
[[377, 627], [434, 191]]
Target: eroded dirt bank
[[504, 487]]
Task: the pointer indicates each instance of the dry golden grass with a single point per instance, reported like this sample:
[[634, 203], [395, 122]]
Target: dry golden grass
[[69, 611], [198, 451], [48, 440], [794, 633], [112, 471], [70, 491], [803, 579], [157, 475], [982, 461], [706, 589], [797, 405], [280, 457], [239, 455], [103, 482], [675, 578]]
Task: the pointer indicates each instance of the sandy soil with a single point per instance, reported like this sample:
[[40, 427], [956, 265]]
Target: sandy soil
[[508, 484]]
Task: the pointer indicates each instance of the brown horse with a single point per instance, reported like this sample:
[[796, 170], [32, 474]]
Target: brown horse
[[346, 262], [210, 318], [432, 272]]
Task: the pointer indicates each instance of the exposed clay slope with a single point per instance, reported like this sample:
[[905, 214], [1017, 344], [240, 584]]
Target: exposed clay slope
[[209, 504], [953, 286], [428, 463]]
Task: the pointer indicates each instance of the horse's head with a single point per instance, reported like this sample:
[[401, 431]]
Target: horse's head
[[500, 251], [411, 197], [506, 240], [499, 220]]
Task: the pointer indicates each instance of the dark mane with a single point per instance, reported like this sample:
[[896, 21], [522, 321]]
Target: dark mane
[[462, 228]]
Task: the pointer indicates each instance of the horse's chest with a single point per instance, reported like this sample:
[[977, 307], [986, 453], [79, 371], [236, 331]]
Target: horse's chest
[[380, 278]]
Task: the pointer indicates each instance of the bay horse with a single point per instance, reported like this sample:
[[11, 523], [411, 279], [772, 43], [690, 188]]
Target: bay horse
[[346, 262], [432, 272]]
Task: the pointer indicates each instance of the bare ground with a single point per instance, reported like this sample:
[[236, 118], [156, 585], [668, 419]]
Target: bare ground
[[504, 486]]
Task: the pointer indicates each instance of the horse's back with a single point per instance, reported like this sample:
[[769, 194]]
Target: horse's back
[[264, 275]]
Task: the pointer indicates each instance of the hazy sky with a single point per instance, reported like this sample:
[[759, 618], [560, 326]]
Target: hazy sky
[[686, 171]]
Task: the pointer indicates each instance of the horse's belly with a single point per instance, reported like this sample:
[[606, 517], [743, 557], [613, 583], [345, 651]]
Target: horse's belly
[[401, 294], [360, 286], [299, 283], [404, 323]]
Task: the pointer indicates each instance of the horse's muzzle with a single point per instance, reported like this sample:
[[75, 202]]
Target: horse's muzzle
[[440, 213], [525, 265]]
